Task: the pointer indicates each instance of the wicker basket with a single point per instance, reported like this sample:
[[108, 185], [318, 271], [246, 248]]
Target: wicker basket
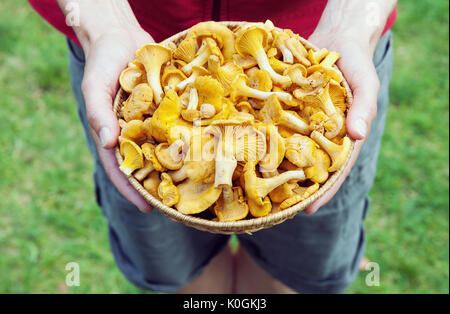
[[234, 227]]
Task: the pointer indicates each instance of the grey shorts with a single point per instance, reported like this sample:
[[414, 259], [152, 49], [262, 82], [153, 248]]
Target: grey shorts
[[317, 253]]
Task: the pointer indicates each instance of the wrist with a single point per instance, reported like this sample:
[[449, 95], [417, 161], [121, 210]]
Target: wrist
[[98, 18]]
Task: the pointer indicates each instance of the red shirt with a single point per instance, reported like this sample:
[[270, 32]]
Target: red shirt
[[161, 19]]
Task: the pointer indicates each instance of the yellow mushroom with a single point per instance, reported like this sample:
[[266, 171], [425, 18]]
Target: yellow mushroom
[[210, 91], [170, 156], [279, 40], [318, 173], [246, 62], [151, 184], [196, 197], [224, 74], [240, 89], [142, 173], [298, 50], [197, 71], [315, 56], [301, 193], [134, 130], [257, 188], [199, 161], [153, 56], [328, 71], [166, 123], [330, 59], [231, 206], [259, 79], [221, 33], [148, 150], [244, 106], [275, 148], [132, 156], [300, 150], [277, 65], [338, 95], [272, 112], [338, 153], [172, 77], [130, 77], [209, 47], [191, 112], [139, 103], [234, 142], [321, 98], [298, 73], [186, 50], [167, 191], [252, 41]]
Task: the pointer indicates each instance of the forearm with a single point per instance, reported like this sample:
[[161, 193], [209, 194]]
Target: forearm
[[355, 20], [99, 16]]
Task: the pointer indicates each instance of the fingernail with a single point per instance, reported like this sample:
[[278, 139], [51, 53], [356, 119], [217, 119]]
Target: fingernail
[[361, 127], [104, 136]]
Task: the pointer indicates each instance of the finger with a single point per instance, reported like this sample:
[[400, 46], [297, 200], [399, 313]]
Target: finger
[[99, 113], [118, 179], [363, 80]]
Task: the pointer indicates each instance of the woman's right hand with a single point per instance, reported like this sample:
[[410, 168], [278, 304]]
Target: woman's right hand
[[109, 34]]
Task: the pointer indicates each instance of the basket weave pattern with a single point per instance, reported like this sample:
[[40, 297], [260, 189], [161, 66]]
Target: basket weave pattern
[[240, 226]]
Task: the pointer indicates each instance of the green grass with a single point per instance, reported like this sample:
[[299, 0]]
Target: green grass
[[49, 216]]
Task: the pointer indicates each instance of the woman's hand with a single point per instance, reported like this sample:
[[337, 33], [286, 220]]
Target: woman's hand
[[109, 35], [347, 27]]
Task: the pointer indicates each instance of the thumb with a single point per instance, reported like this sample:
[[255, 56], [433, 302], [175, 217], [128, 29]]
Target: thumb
[[361, 75]]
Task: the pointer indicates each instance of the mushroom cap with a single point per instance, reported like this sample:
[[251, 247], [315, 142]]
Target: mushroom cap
[[210, 91], [167, 191], [278, 65], [151, 184], [130, 77], [275, 148], [246, 62], [138, 103], [221, 33], [172, 76], [300, 150], [224, 74], [132, 155], [316, 56], [170, 156], [153, 55], [327, 71], [251, 40], [319, 171], [231, 206], [186, 49], [249, 143], [338, 153], [196, 197], [260, 79], [148, 150], [134, 130]]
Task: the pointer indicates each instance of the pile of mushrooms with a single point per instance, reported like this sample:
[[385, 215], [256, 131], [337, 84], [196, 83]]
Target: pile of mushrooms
[[241, 121]]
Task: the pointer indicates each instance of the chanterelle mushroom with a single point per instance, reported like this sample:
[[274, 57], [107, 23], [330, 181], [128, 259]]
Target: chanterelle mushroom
[[279, 42], [153, 56], [208, 48], [252, 41], [196, 197], [167, 191], [231, 206], [338, 153], [138, 103], [224, 74], [166, 121], [257, 188], [132, 154], [240, 89], [275, 148], [170, 156], [272, 112], [130, 77]]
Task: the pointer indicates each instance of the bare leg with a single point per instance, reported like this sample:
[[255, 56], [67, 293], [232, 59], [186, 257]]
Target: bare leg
[[217, 277], [250, 278]]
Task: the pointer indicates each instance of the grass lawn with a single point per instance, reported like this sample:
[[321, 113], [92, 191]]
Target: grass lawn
[[49, 216]]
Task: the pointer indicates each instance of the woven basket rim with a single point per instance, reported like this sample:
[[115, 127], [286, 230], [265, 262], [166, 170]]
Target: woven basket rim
[[240, 226]]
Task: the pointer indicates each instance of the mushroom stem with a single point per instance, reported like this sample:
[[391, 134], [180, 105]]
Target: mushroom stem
[[338, 153], [178, 175], [263, 62], [273, 182], [193, 99], [201, 58], [294, 123], [225, 160]]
